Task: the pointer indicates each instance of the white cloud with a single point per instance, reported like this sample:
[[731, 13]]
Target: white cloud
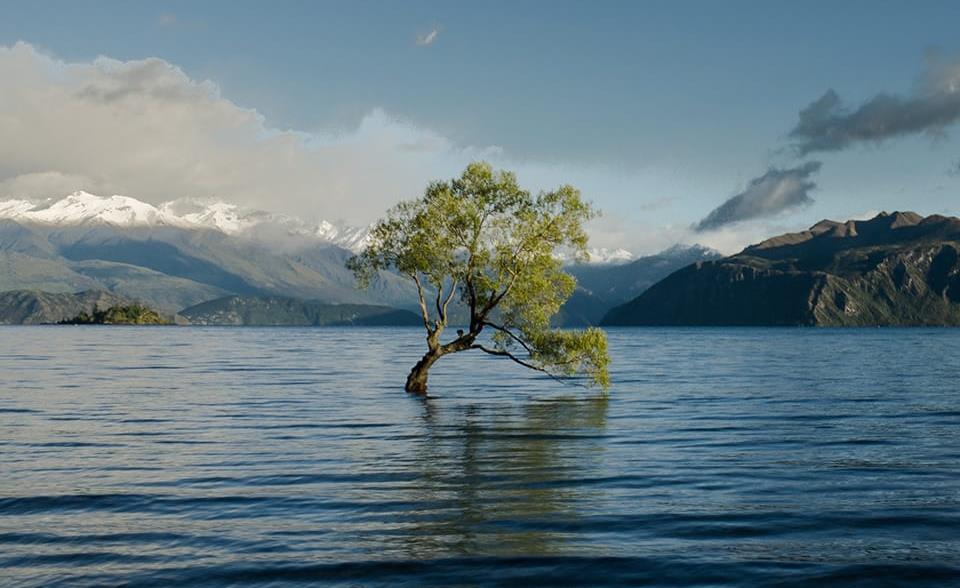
[[145, 129], [44, 183], [427, 39]]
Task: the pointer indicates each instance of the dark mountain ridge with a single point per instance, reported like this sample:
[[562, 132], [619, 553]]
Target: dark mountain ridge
[[894, 269]]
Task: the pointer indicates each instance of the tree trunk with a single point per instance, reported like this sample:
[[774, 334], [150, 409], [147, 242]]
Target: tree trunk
[[417, 380]]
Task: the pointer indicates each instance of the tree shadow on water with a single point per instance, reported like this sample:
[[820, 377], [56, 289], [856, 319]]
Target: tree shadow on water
[[504, 478]]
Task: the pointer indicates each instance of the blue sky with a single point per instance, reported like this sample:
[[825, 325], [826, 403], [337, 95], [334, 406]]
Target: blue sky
[[659, 111]]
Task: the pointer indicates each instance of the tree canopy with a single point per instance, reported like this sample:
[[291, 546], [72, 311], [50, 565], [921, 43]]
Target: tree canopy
[[483, 240]]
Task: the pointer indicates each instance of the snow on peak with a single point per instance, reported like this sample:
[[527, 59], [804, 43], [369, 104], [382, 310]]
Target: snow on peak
[[353, 238], [596, 256], [213, 214], [605, 255], [15, 208], [81, 208], [681, 249]]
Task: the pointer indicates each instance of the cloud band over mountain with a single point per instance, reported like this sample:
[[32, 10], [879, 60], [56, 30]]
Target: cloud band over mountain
[[776, 191]]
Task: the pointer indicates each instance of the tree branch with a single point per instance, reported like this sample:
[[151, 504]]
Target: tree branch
[[509, 333], [493, 302], [468, 278], [446, 303], [509, 355], [423, 303], [525, 364], [440, 317]]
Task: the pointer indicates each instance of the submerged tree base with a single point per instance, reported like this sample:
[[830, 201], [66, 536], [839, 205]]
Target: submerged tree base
[[417, 383], [417, 380]]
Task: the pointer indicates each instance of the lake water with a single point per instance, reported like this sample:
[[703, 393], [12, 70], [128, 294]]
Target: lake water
[[251, 457]]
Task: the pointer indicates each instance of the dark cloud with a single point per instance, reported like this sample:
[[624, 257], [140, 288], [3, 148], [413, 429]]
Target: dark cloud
[[827, 125], [773, 192]]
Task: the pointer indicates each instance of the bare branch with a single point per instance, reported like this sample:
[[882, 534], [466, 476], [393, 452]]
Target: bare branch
[[525, 364], [446, 302], [509, 355], [423, 303], [440, 318]]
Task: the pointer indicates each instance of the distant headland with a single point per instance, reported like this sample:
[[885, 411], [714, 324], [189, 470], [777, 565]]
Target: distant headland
[[898, 269]]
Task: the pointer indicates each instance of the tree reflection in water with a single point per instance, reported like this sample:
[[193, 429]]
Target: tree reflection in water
[[502, 479]]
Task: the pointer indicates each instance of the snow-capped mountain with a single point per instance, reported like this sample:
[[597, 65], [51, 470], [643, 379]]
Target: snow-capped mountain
[[686, 251], [82, 208], [185, 252], [348, 237]]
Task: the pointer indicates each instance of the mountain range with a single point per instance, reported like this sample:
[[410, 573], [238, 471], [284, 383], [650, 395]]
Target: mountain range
[[85, 209], [178, 254], [894, 269], [184, 253]]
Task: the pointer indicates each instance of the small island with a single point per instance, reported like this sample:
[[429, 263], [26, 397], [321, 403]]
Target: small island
[[133, 314]]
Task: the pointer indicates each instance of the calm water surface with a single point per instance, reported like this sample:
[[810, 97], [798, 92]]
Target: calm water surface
[[251, 457]]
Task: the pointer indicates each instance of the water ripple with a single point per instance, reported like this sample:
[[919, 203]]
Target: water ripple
[[273, 457]]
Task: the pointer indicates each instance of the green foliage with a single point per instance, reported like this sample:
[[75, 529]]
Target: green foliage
[[484, 240], [134, 314]]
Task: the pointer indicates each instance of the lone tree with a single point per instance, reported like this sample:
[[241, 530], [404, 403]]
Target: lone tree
[[482, 239]]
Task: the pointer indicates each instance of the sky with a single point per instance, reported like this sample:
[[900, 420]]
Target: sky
[[719, 123]]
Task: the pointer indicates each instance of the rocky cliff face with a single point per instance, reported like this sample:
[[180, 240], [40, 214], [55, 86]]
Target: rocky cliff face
[[895, 269]]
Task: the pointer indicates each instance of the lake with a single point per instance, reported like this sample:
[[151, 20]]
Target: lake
[[252, 457]]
